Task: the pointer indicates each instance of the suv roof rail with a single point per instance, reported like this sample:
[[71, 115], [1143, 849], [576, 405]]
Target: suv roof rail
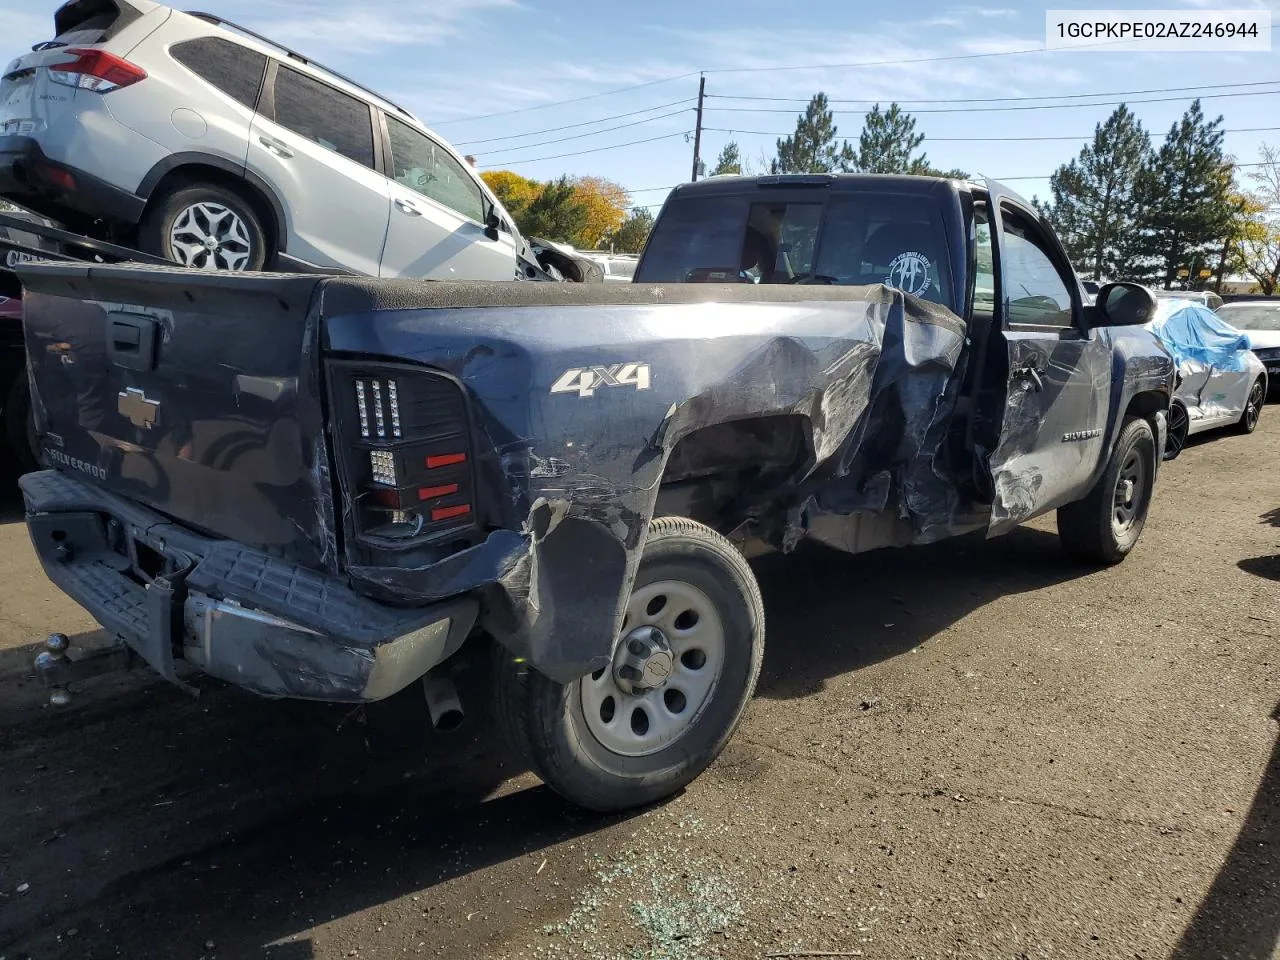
[[295, 55]]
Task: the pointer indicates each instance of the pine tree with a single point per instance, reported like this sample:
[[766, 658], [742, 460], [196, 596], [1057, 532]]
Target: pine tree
[[1183, 198], [813, 148], [888, 141], [1094, 208], [729, 161]]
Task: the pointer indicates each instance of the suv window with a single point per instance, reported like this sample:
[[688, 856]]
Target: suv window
[[1034, 290], [422, 165], [327, 116], [233, 69]]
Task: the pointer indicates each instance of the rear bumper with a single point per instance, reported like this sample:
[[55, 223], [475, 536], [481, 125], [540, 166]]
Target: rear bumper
[[26, 173], [258, 622]]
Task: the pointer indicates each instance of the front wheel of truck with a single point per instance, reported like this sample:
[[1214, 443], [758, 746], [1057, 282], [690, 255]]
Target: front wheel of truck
[[1106, 524], [643, 727]]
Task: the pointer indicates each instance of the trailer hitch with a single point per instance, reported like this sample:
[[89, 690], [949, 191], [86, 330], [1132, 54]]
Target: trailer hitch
[[57, 671]]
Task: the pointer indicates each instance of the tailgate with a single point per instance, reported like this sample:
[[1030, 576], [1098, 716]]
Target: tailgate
[[195, 394]]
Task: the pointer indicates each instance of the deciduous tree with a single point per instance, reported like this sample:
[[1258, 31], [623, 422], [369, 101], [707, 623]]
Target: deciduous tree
[[631, 236], [729, 161]]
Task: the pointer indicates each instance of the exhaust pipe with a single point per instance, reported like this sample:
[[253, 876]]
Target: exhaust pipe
[[442, 703]]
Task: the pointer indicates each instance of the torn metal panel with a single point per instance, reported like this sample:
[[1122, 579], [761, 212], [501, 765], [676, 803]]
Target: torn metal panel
[[580, 401]]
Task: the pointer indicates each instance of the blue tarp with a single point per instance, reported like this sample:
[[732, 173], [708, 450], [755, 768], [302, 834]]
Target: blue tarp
[[1192, 332]]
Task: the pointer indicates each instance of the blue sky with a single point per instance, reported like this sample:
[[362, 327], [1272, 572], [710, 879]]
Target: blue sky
[[450, 60]]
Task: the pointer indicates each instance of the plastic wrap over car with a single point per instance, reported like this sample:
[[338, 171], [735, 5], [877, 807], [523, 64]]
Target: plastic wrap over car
[[1194, 333]]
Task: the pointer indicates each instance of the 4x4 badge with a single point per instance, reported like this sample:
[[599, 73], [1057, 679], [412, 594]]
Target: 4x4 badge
[[141, 412], [584, 381]]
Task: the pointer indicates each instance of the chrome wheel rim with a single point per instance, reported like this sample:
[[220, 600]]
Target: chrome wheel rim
[[1177, 438], [1254, 408], [210, 236], [1127, 501], [663, 676]]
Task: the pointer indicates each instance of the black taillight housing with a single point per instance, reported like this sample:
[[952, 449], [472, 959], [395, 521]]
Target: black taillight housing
[[405, 451]]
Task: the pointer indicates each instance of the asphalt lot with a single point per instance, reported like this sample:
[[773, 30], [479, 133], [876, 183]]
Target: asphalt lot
[[973, 750]]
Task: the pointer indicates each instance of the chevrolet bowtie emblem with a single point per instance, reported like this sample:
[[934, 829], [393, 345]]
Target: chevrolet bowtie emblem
[[141, 412]]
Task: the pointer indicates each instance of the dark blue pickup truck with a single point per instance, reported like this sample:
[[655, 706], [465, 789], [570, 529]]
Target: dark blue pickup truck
[[324, 487]]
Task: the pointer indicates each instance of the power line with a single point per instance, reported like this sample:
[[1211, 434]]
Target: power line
[[561, 103], [929, 139], [1043, 106], [579, 136], [811, 66], [894, 63], [1046, 176], [1056, 96], [578, 153], [572, 126]]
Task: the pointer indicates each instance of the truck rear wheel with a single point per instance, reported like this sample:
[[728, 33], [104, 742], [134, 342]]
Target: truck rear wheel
[[1106, 524], [661, 712], [206, 227]]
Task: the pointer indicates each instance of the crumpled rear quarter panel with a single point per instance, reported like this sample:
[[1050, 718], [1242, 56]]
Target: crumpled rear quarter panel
[[872, 373]]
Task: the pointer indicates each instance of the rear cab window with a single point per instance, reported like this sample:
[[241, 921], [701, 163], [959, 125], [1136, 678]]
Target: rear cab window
[[842, 237], [324, 115], [234, 69]]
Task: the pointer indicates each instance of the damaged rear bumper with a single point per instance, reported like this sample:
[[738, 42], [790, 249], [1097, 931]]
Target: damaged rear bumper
[[256, 621]]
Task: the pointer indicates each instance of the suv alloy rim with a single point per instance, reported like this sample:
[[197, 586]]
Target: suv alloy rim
[[663, 674], [210, 236]]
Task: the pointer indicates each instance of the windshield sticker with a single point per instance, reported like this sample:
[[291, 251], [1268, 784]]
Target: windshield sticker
[[909, 272]]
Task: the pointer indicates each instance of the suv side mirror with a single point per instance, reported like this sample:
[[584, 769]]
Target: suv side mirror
[[1123, 304], [491, 224]]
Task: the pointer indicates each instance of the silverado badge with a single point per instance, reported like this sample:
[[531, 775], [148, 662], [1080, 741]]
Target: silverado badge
[[141, 412]]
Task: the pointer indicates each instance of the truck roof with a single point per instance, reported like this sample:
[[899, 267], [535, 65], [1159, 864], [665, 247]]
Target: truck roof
[[733, 183]]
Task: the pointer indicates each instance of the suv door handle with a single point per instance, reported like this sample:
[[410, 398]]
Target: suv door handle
[[1030, 378], [276, 147], [408, 206]]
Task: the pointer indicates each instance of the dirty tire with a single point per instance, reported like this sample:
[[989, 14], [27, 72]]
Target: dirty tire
[[1179, 426], [164, 212], [19, 428], [544, 721], [1252, 407], [1088, 528]]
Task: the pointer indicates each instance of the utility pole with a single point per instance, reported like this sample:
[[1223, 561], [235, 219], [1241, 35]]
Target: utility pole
[[697, 130]]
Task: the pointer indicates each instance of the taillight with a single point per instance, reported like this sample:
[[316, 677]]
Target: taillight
[[96, 70], [409, 460]]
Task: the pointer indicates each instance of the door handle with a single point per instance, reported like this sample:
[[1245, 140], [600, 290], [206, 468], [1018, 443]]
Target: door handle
[[131, 341], [1030, 378], [408, 206], [276, 147]]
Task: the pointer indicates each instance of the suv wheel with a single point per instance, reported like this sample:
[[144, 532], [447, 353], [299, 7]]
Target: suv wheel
[[641, 728], [1106, 524], [205, 227]]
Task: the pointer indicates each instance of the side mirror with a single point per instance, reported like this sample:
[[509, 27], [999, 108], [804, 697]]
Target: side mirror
[[1123, 304], [491, 224]]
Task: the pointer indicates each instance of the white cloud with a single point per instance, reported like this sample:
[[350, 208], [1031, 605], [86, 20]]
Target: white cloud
[[321, 26]]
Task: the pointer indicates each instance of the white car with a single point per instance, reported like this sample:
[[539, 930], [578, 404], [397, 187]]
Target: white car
[[1260, 320], [202, 142], [1220, 381]]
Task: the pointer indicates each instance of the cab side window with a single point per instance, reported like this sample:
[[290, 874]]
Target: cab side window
[[984, 277], [425, 167], [1034, 290]]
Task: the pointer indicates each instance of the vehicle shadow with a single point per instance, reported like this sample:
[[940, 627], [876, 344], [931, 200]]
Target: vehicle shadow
[[830, 612], [1240, 915], [153, 822]]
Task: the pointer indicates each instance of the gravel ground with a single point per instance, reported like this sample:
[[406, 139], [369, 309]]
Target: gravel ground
[[972, 750]]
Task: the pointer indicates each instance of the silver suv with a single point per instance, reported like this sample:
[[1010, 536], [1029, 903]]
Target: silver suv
[[202, 142]]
